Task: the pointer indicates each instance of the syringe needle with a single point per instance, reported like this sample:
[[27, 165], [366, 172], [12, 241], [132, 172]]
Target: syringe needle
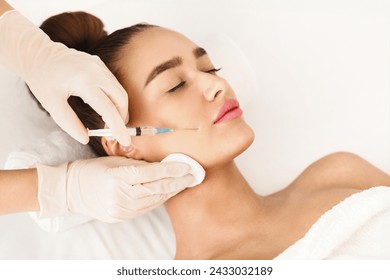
[[176, 129]]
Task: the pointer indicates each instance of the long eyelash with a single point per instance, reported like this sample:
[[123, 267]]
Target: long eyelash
[[213, 71], [181, 84]]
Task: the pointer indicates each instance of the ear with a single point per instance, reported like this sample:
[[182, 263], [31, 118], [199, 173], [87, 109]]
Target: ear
[[113, 148]]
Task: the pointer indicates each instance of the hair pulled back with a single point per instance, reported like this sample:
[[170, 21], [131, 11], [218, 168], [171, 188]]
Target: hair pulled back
[[85, 32]]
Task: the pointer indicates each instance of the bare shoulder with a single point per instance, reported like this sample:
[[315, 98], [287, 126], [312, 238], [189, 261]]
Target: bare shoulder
[[342, 169], [323, 184]]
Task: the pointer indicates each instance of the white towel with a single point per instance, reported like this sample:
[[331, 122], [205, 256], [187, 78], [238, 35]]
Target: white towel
[[356, 228]]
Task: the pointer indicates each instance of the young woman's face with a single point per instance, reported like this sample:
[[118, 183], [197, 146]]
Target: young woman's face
[[172, 83]]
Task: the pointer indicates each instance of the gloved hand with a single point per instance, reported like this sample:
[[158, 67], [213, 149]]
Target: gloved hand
[[54, 72], [110, 189]]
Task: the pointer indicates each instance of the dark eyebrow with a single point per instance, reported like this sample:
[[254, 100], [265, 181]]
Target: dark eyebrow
[[198, 52], [174, 62]]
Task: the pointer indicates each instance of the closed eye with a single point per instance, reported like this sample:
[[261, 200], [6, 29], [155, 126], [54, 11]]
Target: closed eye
[[182, 83], [213, 71], [175, 88]]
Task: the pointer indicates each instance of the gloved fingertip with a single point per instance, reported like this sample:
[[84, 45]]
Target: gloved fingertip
[[197, 170], [124, 140], [82, 138], [127, 118], [126, 149]]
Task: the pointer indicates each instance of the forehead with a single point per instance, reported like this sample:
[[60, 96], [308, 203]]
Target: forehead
[[158, 42], [150, 48]]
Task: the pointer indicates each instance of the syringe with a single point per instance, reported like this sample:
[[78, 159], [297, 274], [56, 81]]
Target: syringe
[[133, 131]]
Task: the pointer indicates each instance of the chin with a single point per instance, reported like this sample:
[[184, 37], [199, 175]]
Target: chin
[[245, 141], [225, 153]]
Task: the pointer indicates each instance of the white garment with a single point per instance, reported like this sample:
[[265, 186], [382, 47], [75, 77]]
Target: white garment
[[356, 228]]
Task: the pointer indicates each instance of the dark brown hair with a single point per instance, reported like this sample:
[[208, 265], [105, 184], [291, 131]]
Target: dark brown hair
[[85, 32]]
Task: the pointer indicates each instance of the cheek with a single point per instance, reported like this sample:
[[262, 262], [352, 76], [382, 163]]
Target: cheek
[[150, 148], [168, 111], [156, 148]]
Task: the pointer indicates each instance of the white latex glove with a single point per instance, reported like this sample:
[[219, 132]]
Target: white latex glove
[[110, 189], [54, 72]]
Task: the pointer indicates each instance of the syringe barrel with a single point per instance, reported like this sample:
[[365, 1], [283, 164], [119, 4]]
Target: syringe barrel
[[144, 131], [132, 131]]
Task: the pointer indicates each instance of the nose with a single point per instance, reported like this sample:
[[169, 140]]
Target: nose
[[213, 86]]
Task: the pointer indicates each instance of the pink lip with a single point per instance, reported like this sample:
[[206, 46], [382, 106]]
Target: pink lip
[[230, 110]]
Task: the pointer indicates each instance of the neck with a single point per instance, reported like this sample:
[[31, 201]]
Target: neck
[[220, 218]]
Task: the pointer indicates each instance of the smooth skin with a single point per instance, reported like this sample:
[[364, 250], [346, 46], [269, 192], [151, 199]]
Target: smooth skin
[[18, 191]]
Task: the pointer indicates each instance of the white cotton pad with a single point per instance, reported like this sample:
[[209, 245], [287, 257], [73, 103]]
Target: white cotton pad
[[196, 169]]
